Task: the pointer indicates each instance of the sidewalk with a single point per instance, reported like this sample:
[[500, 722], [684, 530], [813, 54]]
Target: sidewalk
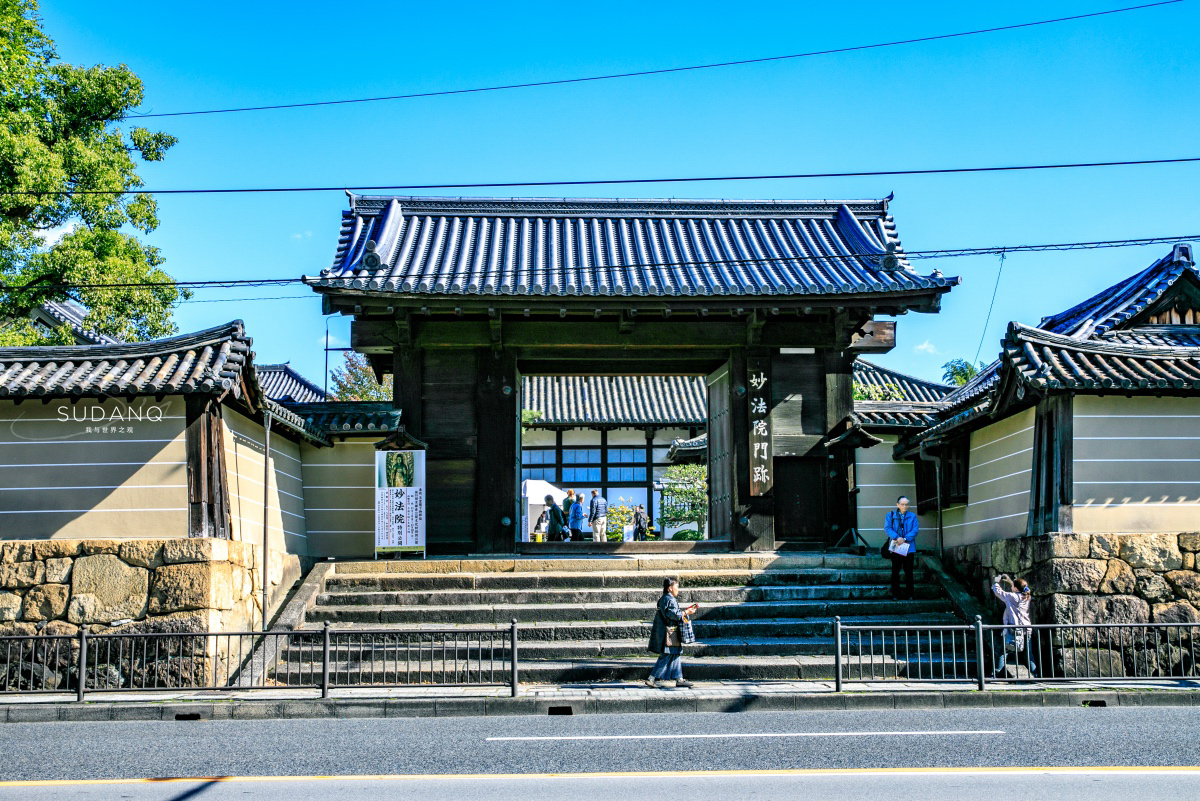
[[579, 699]]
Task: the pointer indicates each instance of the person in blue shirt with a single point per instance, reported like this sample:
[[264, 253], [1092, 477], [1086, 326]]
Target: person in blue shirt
[[900, 526], [575, 520]]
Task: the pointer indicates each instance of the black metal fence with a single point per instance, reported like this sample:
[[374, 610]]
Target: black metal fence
[[321, 659], [980, 653]]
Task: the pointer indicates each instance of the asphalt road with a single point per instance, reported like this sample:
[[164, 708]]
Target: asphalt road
[[752, 755]]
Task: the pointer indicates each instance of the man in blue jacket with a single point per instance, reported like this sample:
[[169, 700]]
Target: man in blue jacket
[[598, 517], [900, 526]]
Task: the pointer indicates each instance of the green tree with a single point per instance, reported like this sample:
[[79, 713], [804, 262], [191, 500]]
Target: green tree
[[960, 371], [685, 496], [877, 392], [355, 381], [530, 416], [69, 209]]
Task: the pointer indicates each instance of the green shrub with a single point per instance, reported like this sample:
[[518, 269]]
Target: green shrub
[[687, 534]]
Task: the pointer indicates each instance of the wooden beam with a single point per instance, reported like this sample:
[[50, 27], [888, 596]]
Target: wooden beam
[[875, 336], [407, 388], [208, 500], [497, 408]]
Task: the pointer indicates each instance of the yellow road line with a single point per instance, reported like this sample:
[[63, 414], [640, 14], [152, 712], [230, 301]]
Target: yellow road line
[[613, 775]]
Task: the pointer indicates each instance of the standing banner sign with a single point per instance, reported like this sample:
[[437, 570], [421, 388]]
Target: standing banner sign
[[399, 501]]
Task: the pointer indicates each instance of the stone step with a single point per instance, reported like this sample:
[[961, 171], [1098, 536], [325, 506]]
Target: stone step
[[640, 629], [632, 669], [607, 580], [702, 595], [503, 613], [412, 648], [662, 564]]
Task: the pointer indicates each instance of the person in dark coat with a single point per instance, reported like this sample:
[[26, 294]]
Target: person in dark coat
[[556, 526], [664, 637], [641, 523]]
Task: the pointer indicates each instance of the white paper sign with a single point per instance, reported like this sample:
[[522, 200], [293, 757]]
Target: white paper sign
[[399, 501]]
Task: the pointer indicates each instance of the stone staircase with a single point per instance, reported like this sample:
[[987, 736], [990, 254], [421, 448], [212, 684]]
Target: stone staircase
[[761, 617]]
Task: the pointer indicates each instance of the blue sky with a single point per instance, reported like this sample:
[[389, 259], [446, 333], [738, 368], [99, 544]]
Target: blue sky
[[1117, 87]]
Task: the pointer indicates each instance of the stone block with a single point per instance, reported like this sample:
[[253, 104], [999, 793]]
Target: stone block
[[58, 571], [56, 549], [93, 547], [21, 575], [1189, 542], [104, 589], [46, 602], [1075, 663], [17, 629], [17, 552], [197, 621], [1189, 561], [1062, 546], [60, 628], [1068, 576], [10, 606], [1118, 579], [1152, 586], [1157, 552], [191, 585], [1177, 612], [1063, 608], [1186, 583], [1105, 546], [141, 553], [195, 549]]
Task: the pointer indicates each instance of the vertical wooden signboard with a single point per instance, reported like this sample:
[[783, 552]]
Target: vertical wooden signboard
[[758, 389]]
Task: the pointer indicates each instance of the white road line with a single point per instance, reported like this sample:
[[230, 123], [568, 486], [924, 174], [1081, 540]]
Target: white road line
[[746, 735]]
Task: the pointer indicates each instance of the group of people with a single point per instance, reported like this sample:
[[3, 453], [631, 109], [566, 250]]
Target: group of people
[[901, 528], [565, 523]]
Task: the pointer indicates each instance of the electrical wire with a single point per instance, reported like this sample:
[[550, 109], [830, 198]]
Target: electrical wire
[[992, 305], [870, 259], [608, 181], [662, 71]]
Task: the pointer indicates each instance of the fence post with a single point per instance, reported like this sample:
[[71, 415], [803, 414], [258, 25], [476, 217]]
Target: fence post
[[512, 650], [81, 677], [837, 653], [325, 662], [979, 651]]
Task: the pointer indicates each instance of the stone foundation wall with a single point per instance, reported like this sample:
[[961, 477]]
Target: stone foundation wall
[[1092, 578], [114, 586]]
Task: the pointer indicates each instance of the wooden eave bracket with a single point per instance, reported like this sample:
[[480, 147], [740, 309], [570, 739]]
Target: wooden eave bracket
[[754, 327], [400, 440]]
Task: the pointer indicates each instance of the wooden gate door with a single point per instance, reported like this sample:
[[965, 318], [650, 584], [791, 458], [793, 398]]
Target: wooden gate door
[[720, 455], [800, 502]]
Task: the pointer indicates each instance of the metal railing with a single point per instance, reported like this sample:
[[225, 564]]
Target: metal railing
[[321, 659], [980, 653]]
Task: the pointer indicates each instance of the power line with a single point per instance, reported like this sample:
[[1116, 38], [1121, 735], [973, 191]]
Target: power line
[[662, 71], [598, 181], [916, 254], [992, 305]]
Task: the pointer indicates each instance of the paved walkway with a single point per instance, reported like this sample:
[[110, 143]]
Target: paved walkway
[[726, 696]]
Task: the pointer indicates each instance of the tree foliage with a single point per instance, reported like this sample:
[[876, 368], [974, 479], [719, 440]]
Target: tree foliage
[[355, 381], [960, 371], [877, 392], [685, 495], [60, 141]]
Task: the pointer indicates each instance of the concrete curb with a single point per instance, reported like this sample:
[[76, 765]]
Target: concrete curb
[[246, 709]]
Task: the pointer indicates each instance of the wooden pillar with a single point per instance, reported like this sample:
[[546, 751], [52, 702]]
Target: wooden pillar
[[407, 387], [496, 488], [1052, 480], [838, 463], [208, 492]]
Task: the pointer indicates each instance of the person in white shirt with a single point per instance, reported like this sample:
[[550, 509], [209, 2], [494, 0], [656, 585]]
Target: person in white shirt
[[1017, 598]]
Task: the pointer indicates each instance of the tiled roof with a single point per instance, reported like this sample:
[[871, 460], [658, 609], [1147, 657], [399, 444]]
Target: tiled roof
[[616, 400], [1053, 361], [54, 313], [1117, 304], [341, 417], [281, 383], [967, 394], [1170, 336], [585, 247], [909, 388], [209, 361], [896, 414], [693, 447]]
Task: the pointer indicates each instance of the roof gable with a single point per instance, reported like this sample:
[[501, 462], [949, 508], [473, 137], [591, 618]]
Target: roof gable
[[597, 247], [281, 383], [1122, 304]]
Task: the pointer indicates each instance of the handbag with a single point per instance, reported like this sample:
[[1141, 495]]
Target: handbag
[[687, 635]]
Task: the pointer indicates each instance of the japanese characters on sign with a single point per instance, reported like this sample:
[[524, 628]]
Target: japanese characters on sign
[[399, 501], [758, 386]]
